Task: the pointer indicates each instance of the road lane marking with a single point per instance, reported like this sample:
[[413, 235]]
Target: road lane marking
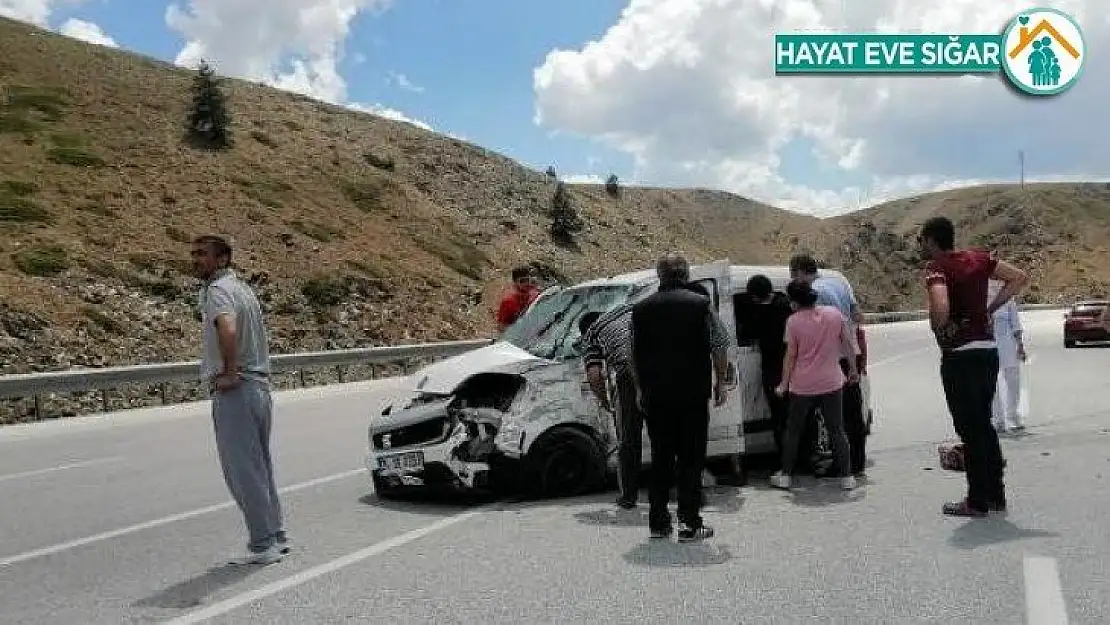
[[1044, 599], [900, 356], [237, 601], [63, 467], [166, 520]]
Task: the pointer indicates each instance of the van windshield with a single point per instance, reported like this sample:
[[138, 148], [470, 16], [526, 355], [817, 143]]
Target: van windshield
[[550, 328]]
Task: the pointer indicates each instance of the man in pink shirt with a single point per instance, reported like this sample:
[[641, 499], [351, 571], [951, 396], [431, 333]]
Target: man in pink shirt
[[816, 337]]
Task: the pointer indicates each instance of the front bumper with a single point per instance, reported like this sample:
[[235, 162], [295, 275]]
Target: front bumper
[[431, 467]]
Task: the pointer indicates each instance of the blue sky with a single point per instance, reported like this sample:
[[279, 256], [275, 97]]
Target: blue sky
[[657, 91], [490, 102]]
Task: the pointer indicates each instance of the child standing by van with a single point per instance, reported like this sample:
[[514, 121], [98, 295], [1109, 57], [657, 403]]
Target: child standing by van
[[816, 337]]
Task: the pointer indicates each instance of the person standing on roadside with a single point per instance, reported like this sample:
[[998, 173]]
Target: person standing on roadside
[[677, 346], [517, 298], [960, 318], [1007, 418], [816, 337], [838, 292], [606, 340], [235, 366]]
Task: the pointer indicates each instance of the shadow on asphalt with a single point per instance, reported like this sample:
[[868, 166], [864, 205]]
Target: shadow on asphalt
[[429, 504], [719, 500], [193, 591], [992, 531], [672, 554]]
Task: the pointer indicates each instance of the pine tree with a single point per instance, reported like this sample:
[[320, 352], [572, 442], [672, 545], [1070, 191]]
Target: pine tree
[[565, 221], [210, 120]]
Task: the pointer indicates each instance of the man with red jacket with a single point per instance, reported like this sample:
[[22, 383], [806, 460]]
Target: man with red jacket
[[961, 319], [517, 298]]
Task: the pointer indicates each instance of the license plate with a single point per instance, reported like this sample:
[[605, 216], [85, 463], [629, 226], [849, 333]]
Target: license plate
[[408, 461]]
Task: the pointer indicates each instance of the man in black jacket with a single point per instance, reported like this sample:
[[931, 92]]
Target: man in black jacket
[[677, 343], [765, 324]]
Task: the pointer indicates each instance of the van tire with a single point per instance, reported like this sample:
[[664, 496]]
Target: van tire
[[381, 490], [565, 462]]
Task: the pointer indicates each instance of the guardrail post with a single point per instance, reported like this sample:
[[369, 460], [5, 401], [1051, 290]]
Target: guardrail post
[[300, 374], [339, 373], [104, 399], [38, 407], [162, 389]]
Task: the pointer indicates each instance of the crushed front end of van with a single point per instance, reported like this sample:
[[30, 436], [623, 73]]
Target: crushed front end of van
[[469, 423]]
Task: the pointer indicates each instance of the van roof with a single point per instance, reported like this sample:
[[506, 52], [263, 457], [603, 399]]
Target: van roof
[[778, 274]]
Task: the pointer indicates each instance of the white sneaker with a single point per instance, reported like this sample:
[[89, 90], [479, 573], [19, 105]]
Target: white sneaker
[[780, 480], [848, 482], [269, 556]]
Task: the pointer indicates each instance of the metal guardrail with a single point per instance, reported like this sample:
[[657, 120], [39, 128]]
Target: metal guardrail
[[916, 315], [78, 380]]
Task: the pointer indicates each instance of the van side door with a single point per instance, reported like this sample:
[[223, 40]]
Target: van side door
[[725, 422]]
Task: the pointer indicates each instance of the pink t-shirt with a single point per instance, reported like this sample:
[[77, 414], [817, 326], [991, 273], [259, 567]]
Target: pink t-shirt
[[817, 334]]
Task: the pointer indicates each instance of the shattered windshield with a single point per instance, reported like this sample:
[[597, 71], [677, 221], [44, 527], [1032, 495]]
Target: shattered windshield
[[550, 328]]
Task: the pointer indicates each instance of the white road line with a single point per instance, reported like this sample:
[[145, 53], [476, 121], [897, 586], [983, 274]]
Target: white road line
[[72, 465], [1044, 600], [900, 356], [173, 518], [240, 600]]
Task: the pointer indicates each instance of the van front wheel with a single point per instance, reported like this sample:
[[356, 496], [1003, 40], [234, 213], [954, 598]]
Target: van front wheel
[[565, 462]]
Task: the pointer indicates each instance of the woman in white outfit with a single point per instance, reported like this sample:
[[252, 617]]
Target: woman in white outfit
[[1011, 353]]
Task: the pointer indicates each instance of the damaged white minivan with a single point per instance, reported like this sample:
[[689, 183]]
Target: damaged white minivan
[[519, 414]]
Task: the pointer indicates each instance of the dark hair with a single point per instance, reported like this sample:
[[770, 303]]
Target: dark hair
[[587, 320], [759, 286], [217, 244], [803, 263], [521, 272], [941, 231], [801, 293], [673, 271]]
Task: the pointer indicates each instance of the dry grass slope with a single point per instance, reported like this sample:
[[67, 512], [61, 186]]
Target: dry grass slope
[[358, 230]]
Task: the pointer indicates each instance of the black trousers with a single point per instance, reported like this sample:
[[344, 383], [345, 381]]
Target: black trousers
[[777, 406], [629, 424], [969, 378], [855, 424], [679, 431]]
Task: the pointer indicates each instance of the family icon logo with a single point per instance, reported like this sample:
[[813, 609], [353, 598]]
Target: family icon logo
[[1045, 51], [1041, 52]]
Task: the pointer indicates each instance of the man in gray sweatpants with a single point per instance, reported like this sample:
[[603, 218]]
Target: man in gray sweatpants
[[236, 368]]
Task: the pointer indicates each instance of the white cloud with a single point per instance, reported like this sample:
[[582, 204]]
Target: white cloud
[[403, 82], [34, 11], [583, 179], [687, 87], [388, 113], [295, 45], [87, 32]]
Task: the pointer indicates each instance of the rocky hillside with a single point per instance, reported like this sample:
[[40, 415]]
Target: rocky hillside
[[358, 230], [1057, 232]]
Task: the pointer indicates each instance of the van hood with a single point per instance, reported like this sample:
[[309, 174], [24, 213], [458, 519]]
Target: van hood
[[443, 376]]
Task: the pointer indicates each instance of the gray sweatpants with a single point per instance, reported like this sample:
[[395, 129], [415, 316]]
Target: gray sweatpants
[[241, 419]]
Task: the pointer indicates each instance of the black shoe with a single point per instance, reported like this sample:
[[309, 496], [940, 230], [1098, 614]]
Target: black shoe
[[962, 508], [997, 505], [626, 503], [690, 534], [662, 532]]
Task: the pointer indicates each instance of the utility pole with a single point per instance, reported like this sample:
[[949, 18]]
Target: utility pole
[[1021, 164]]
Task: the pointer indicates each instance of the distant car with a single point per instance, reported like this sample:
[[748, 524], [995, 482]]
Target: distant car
[[1082, 325]]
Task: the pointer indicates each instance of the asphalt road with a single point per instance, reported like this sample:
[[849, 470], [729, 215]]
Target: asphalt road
[[125, 519]]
